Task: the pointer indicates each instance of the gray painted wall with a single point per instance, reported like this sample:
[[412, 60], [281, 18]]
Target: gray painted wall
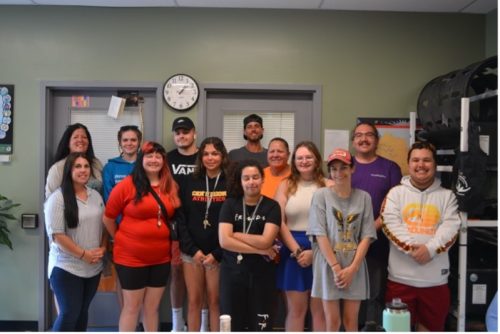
[[368, 64]]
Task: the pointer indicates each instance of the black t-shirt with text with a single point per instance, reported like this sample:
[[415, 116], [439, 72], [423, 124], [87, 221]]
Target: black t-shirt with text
[[232, 212], [194, 235], [181, 166]]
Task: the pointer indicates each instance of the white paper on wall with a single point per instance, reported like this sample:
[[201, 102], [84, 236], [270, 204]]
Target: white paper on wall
[[116, 107], [479, 294], [335, 139]]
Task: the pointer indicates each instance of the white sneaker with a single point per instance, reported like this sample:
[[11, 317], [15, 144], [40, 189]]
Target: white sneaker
[[184, 329]]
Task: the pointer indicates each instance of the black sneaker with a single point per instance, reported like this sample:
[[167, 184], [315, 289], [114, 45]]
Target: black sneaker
[[140, 328]]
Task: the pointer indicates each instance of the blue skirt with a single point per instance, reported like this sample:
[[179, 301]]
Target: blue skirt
[[290, 275]]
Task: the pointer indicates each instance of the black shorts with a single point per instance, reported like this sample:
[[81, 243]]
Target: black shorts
[[135, 278]]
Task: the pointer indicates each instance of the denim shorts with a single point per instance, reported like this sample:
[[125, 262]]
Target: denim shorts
[[189, 259]]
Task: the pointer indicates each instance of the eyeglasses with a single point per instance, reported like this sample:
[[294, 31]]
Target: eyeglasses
[[302, 158], [364, 134]]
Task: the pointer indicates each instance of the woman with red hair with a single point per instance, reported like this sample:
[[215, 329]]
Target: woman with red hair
[[142, 241]]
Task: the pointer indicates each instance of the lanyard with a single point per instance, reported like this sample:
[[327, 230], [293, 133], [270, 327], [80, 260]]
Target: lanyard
[[245, 229], [210, 194], [239, 257]]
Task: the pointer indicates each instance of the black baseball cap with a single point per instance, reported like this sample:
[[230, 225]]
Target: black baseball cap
[[182, 123], [252, 118]]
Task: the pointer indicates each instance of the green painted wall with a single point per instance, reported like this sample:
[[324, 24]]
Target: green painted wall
[[369, 64]]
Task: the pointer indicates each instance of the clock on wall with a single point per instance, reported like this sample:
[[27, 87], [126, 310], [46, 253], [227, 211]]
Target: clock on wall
[[181, 92]]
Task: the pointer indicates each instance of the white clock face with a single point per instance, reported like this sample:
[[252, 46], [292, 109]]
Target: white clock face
[[181, 92]]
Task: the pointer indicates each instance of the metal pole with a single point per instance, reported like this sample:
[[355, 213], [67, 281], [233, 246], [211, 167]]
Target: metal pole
[[464, 125], [462, 272], [462, 243], [413, 126]]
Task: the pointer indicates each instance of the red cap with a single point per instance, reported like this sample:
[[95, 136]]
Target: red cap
[[340, 154]]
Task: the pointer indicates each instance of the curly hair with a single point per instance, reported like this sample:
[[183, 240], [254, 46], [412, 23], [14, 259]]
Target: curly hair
[[235, 189]]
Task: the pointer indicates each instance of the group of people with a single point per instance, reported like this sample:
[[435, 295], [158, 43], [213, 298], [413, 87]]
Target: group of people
[[248, 223]]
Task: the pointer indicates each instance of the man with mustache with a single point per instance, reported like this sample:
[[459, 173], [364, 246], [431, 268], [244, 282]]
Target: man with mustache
[[253, 131], [375, 175]]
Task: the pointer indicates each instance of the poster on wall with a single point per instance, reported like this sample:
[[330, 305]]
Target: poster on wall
[[394, 139], [6, 118]]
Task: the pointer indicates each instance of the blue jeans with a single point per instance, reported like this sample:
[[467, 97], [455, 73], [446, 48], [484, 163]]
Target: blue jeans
[[74, 295]]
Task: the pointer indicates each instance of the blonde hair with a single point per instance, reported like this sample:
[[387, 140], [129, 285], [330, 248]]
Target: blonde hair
[[318, 175]]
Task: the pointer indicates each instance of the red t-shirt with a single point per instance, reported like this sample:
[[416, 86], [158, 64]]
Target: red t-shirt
[[139, 241]]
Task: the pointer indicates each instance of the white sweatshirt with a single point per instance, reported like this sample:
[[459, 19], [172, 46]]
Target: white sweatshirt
[[429, 217]]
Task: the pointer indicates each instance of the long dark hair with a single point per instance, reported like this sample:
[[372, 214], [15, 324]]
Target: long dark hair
[[141, 181], [63, 146], [235, 189], [68, 192], [200, 170]]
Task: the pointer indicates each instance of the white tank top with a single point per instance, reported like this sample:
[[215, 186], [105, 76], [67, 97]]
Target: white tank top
[[298, 206]]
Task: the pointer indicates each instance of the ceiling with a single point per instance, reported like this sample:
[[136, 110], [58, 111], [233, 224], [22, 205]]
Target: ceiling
[[439, 6]]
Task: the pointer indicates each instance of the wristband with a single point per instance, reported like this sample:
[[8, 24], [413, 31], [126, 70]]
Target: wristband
[[83, 254], [297, 252], [335, 264]]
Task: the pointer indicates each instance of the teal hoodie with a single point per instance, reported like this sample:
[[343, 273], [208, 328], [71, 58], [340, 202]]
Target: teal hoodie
[[114, 171]]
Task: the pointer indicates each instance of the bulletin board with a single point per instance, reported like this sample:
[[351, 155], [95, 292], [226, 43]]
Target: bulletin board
[[6, 118]]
